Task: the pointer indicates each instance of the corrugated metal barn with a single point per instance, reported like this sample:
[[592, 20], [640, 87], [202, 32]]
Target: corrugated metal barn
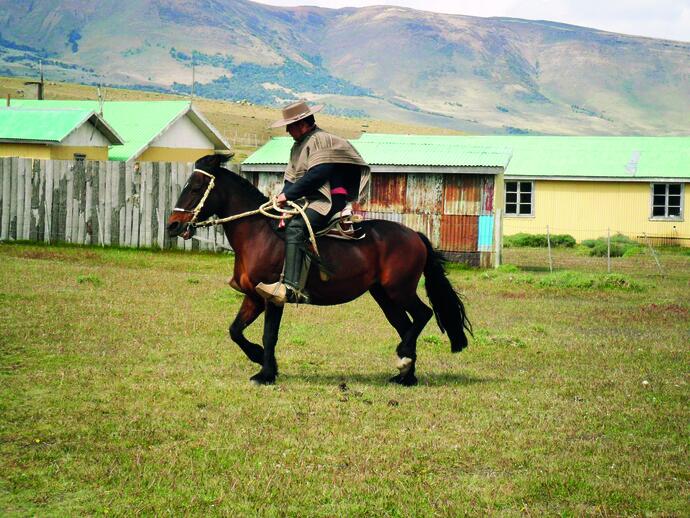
[[449, 192]]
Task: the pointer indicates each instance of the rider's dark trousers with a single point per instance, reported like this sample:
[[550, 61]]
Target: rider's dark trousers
[[296, 237]]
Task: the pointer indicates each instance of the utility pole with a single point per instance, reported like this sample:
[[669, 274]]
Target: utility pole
[[39, 84]]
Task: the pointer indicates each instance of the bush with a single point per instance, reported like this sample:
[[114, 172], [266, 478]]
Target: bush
[[523, 240], [563, 240], [538, 240], [621, 246], [621, 239], [601, 250]]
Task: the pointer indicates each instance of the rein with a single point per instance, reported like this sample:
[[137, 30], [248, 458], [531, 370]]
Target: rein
[[263, 209]]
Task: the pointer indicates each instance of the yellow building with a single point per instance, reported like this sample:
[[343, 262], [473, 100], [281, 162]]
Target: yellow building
[[590, 186], [57, 134], [160, 131]]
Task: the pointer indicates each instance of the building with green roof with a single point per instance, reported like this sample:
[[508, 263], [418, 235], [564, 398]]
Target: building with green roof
[[57, 133], [582, 186], [446, 190], [169, 131]]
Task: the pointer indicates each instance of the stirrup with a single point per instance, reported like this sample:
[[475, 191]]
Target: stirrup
[[279, 293], [296, 296]]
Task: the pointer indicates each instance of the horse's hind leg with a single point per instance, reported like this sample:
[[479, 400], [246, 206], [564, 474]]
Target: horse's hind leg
[[407, 350], [249, 310], [408, 330], [395, 315]]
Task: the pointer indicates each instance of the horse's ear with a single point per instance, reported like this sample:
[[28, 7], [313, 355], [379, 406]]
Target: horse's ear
[[223, 158], [212, 162]]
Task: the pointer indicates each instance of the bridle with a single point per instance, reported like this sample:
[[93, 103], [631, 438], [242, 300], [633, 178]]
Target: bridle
[[195, 212], [263, 210]]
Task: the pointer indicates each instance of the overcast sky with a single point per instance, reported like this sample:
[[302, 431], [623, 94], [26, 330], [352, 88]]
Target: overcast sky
[[668, 19]]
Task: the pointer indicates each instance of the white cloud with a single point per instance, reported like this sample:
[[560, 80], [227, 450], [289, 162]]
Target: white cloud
[[654, 18]]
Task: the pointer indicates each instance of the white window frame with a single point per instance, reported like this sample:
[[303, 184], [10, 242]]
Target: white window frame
[[517, 203], [666, 217]]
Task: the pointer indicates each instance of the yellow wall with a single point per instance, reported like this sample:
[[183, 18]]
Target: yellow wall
[[587, 209], [68, 152], [46, 152], [169, 154], [39, 151]]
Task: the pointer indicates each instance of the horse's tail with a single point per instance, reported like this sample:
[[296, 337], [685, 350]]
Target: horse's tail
[[447, 304]]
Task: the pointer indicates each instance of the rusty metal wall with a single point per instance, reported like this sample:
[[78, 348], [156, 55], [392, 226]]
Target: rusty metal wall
[[428, 224], [270, 184], [388, 216], [387, 193], [459, 233], [424, 193], [446, 208], [468, 194]]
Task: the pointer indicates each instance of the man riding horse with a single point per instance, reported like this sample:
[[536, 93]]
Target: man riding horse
[[325, 171]]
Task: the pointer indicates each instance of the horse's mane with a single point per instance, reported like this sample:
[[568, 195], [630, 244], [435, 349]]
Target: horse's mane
[[213, 164], [244, 186]]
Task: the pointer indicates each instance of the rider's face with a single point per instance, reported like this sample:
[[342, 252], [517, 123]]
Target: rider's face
[[297, 129]]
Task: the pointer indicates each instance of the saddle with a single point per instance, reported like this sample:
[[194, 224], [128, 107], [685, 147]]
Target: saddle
[[342, 226]]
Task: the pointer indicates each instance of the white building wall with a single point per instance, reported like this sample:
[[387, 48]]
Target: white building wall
[[183, 134], [85, 135]]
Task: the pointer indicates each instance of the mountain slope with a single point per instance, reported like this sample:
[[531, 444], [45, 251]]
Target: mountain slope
[[481, 74]]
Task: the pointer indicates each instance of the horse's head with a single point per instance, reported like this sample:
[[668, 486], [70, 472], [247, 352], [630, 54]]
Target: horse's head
[[198, 199]]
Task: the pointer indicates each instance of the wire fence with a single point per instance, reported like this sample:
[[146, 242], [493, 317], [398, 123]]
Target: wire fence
[[611, 251]]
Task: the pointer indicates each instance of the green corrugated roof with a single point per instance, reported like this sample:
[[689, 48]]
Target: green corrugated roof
[[435, 154], [388, 150], [17, 124], [274, 152], [577, 157], [137, 122]]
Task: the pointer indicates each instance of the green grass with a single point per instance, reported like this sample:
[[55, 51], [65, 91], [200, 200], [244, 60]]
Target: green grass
[[122, 395]]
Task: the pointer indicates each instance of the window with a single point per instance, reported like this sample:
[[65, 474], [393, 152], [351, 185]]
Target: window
[[667, 201], [519, 198], [78, 157]]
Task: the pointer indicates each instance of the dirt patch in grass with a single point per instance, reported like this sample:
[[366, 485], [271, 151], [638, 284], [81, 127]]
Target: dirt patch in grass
[[666, 310]]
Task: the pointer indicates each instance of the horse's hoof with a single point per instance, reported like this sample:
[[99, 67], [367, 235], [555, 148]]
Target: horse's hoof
[[405, 381], [404, 365], [261, 379]]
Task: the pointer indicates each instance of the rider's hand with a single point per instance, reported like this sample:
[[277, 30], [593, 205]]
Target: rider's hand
[[281, 199]]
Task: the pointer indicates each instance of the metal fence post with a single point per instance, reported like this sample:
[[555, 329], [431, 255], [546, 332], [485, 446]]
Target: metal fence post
[[608, 250], [548, 244], [649, 245]]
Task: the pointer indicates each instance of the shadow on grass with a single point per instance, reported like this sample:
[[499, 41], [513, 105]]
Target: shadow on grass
[[381, 379]]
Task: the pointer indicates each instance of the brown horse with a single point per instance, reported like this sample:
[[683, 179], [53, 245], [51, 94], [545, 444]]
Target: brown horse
[[388, 263]]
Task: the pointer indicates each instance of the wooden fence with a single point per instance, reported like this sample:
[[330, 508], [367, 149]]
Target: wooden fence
[[96, 203]]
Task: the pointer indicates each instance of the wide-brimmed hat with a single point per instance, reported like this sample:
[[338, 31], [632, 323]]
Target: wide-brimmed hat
[[296, 111]]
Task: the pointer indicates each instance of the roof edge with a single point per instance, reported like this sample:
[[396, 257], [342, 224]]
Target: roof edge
[[208, 129]]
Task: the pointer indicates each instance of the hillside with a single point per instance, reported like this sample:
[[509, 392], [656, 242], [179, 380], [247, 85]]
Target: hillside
[[244, 125], [475, 74]]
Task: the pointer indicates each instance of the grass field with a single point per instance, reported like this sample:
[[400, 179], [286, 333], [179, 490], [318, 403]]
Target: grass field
[[121, 394]]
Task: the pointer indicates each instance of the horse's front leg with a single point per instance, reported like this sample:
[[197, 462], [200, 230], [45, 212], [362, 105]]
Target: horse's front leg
[[269, 370], [249, 310]]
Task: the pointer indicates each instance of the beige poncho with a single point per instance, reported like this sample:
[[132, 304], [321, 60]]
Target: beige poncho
[[319, 147]]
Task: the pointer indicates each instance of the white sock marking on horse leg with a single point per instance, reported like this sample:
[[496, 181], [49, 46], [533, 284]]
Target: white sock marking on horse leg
[[404, 365]]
